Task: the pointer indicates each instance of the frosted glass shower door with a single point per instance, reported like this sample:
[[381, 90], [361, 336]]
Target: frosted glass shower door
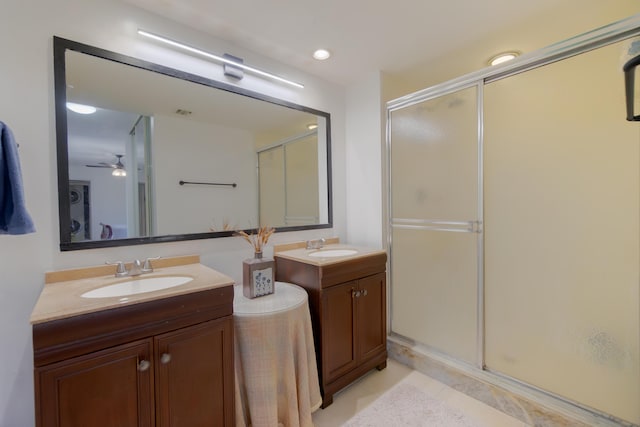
[[435, 213], [562, 235]]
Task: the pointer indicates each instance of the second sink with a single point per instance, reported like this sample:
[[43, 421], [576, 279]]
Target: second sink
[[137, 286], [332, 253]]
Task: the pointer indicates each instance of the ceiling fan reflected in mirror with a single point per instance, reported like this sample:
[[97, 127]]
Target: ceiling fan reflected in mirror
[[118, 167]]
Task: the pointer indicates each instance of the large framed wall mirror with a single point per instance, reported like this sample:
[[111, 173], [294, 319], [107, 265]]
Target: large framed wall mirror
[[148, 154]]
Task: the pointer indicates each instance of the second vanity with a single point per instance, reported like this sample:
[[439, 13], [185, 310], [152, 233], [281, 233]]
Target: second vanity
[[347, 299], [161, 358]]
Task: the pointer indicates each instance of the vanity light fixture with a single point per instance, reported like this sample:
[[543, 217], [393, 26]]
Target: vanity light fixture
[[81, 108], [321, 54], [503, 57], [218, 58]]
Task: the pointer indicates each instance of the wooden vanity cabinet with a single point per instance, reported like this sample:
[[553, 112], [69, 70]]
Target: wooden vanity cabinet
[[161, 363], [348, 312]]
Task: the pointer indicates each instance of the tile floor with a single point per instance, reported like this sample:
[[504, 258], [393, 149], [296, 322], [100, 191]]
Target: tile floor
[[358, 395]]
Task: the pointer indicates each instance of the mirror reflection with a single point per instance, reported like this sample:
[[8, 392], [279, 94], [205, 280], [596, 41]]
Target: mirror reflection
[[156, 156]]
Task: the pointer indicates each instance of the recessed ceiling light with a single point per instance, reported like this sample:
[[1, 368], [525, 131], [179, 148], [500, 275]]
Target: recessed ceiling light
[[321, 54], [81, 108], [503, 57]]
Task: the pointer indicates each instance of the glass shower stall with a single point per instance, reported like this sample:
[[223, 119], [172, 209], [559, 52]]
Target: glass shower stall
[[514, 224]]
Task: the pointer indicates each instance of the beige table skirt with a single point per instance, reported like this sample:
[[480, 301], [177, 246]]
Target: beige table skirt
[[275, 359]]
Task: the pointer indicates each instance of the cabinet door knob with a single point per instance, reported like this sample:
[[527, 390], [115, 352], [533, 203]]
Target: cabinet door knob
[[143, 365], [364, 292], [355, 294], [165, 358]]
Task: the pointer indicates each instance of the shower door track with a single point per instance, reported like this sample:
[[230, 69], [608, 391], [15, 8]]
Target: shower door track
[[528, 391]]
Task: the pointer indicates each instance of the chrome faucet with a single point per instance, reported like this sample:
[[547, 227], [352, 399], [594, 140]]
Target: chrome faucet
[[147, 267], [316, 244], [121, 270], [137, 267]]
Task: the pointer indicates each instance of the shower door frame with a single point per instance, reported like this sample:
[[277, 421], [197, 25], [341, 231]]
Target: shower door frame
[[474, 226], [600, 37]]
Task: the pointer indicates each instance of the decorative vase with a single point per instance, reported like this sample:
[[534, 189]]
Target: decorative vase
[[258, 276]]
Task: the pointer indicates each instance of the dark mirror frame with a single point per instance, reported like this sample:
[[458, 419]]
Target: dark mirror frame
[[60, 46]]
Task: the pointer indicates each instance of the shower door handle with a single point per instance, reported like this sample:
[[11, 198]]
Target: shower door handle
[[437, 225]]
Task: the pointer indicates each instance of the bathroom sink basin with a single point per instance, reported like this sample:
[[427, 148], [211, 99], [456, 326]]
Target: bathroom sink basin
[[332, 253], [137, 286]]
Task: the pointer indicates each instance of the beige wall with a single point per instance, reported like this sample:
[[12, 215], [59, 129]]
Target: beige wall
[[570, 18]]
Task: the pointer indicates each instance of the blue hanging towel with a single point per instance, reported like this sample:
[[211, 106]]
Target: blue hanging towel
[[14, 218]]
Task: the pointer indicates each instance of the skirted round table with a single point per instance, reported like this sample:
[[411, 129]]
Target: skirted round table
[[275, 359]]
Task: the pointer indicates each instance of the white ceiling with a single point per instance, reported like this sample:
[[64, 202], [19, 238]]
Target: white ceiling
[[393, 36]]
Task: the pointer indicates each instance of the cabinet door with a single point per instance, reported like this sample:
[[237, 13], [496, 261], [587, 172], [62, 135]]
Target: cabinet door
[[108, 388], [194, 375], [371, 308], [338, 323]]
